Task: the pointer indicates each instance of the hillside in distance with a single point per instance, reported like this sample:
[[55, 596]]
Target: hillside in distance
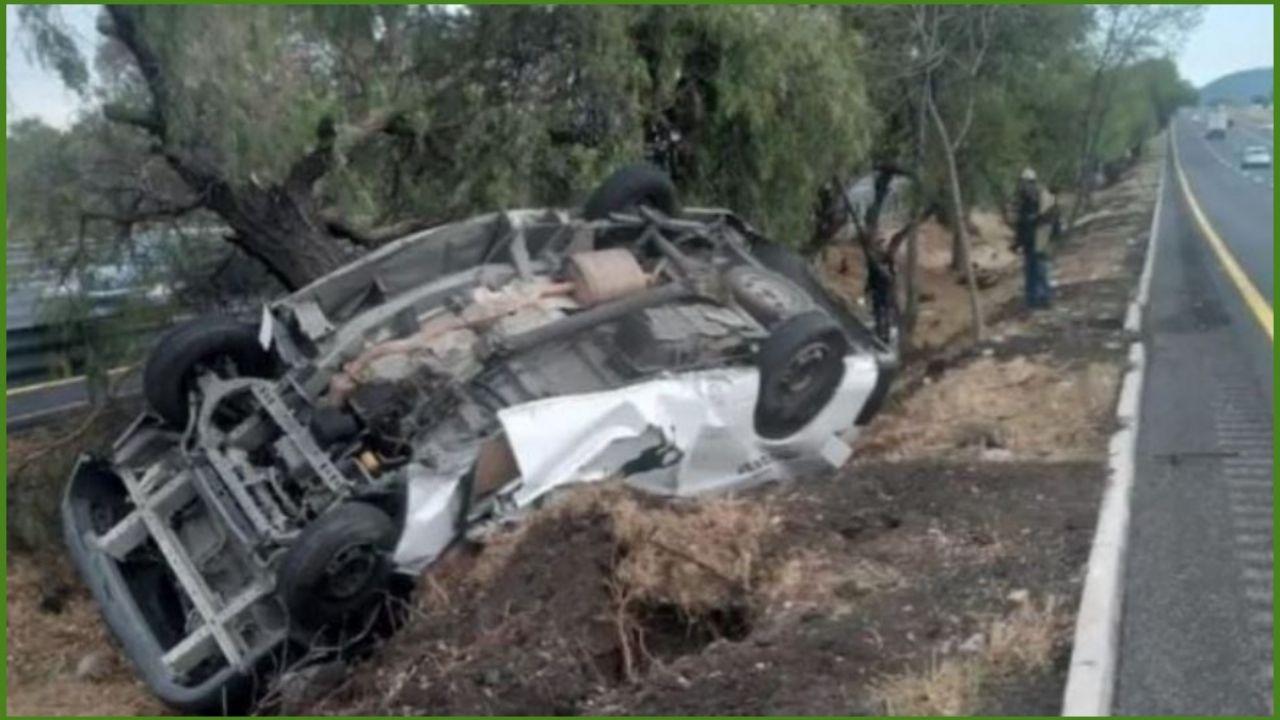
[[1238, 88]]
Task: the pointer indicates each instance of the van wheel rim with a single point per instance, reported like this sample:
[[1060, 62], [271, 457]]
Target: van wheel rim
[[800, 373], [349, 572]]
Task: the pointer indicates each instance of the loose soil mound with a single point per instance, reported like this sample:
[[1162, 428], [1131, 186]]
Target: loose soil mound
[[796, 601], [586, 594]]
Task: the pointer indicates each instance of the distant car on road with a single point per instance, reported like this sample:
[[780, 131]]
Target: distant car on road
[[1255, 156]]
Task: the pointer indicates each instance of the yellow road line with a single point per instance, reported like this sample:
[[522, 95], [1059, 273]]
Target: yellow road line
[[58, 383], [1252, 298]]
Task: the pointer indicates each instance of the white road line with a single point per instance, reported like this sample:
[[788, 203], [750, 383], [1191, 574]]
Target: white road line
[[1249, 494], [1263, 575], [1258, 594], [1248, 461], [1251, 523], [1262, 619], [38, 415], [1259, 479], [1246, 429], [1248, 508], [1256, 556]]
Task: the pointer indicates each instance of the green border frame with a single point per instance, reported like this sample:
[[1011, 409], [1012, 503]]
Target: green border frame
[[4, 270]]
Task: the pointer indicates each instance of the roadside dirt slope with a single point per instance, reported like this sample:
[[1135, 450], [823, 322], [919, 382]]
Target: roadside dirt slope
[[792, 601]]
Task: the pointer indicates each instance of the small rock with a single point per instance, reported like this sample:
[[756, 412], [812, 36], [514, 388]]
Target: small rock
[[53, 600], [93, 666], [1019, 596], [972, 644], [997, 454], [299, 689]]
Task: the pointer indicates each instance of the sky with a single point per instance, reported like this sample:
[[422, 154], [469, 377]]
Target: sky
[[1231, 38], [32, 90]]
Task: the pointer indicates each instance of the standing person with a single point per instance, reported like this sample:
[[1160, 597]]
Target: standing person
[[880, 281], [1026, 223]]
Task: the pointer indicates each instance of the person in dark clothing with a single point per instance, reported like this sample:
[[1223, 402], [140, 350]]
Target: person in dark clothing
[[1027, 219], [880, 282]]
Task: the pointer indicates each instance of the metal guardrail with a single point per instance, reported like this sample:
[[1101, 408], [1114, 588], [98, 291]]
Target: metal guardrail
[[42, 352]]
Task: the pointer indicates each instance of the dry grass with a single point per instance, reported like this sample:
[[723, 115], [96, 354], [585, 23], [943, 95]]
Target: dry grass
[[1031, 408], [1020, 642], [949, 687], [45, 647], [1025, 639], [699, 557], [810, 578]]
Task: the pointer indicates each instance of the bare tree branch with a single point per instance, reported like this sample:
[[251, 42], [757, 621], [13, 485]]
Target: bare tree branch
[[146, 119]]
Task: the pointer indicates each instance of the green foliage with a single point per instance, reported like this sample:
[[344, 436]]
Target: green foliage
[[783, 100], [53, 45], [750, 107], [42, 178]]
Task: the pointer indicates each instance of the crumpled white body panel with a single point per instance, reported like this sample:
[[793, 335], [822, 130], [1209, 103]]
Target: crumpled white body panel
[[681, 435]]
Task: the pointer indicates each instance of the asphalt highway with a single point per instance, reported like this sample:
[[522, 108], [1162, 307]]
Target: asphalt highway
[[31, 405], [1196, 632]]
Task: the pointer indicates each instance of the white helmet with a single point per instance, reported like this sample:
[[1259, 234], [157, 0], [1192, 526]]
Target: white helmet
[[1028, 174]]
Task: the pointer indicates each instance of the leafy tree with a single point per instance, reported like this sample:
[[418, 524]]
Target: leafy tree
[[307, 134], [1122, 35], [314, 132]]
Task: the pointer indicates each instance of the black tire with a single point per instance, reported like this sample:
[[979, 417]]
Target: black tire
[[171, 367], [791, 266], [336, 569], [801, 364], [628, 187]]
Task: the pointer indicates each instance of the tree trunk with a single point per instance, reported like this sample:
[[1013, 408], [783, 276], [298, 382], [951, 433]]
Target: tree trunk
[[957, 203], [277, 224], [273, 225], [911, 276], [959, 248], [277, 231]]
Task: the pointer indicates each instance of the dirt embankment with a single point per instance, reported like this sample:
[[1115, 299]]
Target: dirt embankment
[[937, 574], [60, 659], [795, 600]]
